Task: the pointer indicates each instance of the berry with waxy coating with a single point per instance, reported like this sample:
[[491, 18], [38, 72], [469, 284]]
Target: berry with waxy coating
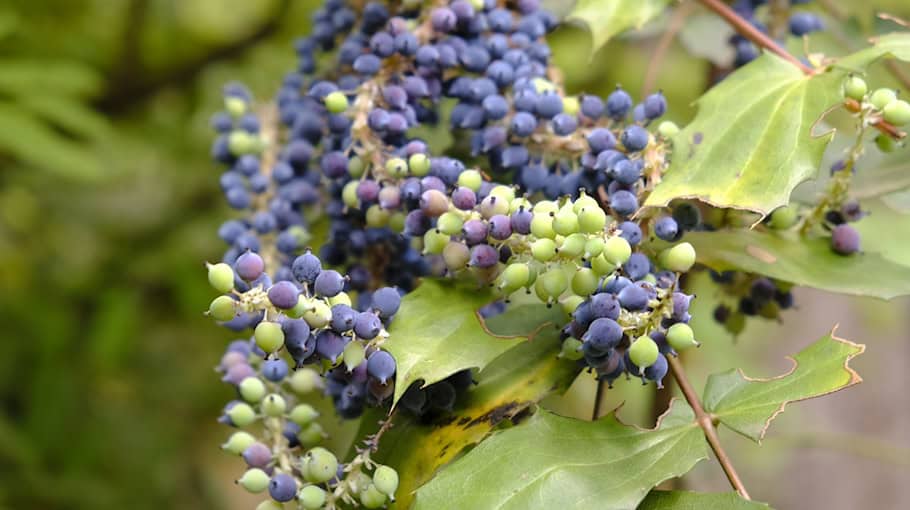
[[680, 337], [221, 277], [254, 480]]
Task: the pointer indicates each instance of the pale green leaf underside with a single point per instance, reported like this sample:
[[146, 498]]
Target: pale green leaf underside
[[687, 500], [510, 384], [438, 332], [806, 262], [607, 18], [751, 142], [555, 462], [749, 405]]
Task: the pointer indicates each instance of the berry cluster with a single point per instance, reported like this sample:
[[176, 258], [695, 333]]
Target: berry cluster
[[556, 213], [800, 23]]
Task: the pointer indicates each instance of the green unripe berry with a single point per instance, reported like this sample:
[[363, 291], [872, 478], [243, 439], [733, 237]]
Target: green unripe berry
[[470, 179], [519, 203], [594, 247], [318, 315], [371, 497], [667, 129], [396, 221], [311, 435], [493, 205], [386, 480], [353, 355], [855, 88], [396, 167], [585, 201], [897, 112], [571, 349], [617, 250], [885, 143], [570, 105], [321, 465], [419, 164], [342, 298], [222, 308], [566, 221], [514, 277], [736, 323], [356, 167], [435, 242], [584, 281], [269, 336], [602, 266], [643, 352], [649, 278], [545, 207], [592, 220], [450, 223], [234, 106], [680, 337], [254, 480], [303, 414], [377, 217], [573, 246], [240, 143], [336, 102], [783, 218], [478, 5], [241, 415], [349, 195], [551, 284], [274, 405], [221, 277], [270, 504], [882, 98], [506, 193], [542, 226], [570, 303], [311, 497], [543, 249], [303, 304], [456, 256], [252, 389], [542, 85], [679, 258], [238, 442]]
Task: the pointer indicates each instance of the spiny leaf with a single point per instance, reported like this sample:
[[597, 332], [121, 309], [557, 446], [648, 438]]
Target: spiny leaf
[[749, 405], [808, 262], [687, 500], [506, 388], [556, 462], [438, 332], [751, 142], [606, 18]]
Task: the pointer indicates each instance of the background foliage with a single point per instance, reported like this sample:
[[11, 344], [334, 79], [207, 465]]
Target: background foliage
[[107, 202]]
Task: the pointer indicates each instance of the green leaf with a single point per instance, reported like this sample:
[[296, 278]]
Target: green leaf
[[556, 462], [808, 262], [510, 384], [896, 45], [606, 18], [438, 332], [751, 142], [749, 405], [26, 76], [687, 500], [33, 142]]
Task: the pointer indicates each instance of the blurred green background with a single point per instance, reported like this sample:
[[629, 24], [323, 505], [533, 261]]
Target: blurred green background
[[109, 206]]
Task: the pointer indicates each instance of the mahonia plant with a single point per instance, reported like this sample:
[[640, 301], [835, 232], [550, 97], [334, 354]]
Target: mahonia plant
[[343, 211]]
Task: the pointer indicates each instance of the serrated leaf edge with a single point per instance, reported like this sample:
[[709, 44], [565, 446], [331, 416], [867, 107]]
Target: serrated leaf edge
[[855, 379]]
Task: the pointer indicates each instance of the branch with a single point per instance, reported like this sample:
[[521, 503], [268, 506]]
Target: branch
[[598, 398], [121, 96], [759, 38], [660, 52], [707, 424]]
